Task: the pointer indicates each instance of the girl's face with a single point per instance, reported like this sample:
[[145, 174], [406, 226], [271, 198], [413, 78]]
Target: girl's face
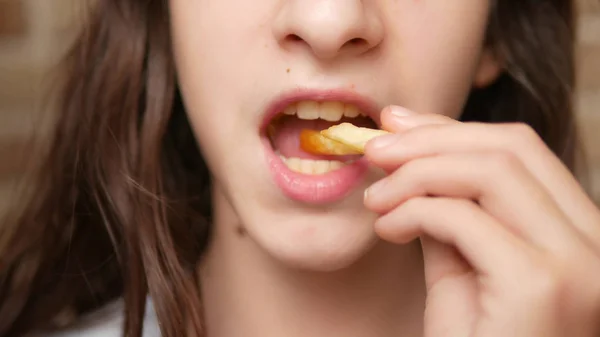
[[242, 63]]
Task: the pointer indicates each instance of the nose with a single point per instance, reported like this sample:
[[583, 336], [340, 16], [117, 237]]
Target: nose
[[329, 28]]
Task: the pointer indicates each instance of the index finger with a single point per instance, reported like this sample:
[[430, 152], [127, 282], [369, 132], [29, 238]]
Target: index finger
[[397, 119]]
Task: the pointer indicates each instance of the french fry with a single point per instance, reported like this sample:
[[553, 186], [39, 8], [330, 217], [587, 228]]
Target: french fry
[[313, 142], [341, 139], [352, 136]]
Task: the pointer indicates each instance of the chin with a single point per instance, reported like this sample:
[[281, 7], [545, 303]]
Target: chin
[[323, 241]]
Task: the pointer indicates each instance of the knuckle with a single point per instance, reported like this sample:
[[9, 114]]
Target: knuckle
[[522, 133], [521, 130], [503, 161], [543, 283], [566, 287]]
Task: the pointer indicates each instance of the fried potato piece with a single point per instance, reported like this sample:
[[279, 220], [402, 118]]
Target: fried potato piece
[[341, 139], [313, 142], [352, 136]]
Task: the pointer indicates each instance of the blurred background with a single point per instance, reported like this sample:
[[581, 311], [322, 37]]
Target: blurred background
[[34, 33]]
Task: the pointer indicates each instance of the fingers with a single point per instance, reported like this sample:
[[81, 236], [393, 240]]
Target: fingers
[[498, 183], [527, 286], [498, 197], [422, 135], [488, 247], [393, 119]]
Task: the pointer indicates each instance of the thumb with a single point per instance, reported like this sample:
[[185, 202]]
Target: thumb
[[441, 261], [451, 291]]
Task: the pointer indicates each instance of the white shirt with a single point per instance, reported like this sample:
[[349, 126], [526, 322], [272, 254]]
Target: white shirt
[[108, 322]]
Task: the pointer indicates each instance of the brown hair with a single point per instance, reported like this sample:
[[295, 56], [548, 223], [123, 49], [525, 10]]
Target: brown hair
[[121, 202]]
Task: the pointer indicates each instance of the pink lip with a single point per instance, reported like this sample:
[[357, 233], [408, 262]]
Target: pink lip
[[316, 189]]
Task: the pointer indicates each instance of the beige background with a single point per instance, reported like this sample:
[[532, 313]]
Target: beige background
[[34, 32]]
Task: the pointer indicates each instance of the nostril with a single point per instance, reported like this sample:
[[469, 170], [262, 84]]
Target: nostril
[[326, 48], [356, 42], [294, 38]]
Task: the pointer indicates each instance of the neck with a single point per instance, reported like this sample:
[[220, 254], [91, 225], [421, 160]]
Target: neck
[[248, 293]]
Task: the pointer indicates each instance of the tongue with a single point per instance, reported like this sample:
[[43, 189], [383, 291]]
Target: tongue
[[287, 137]]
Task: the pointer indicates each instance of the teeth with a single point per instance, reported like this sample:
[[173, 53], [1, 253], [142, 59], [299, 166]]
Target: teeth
[[312, 167], [321, 166], [293, 163], [307, 166], [336, 165], [329, 111], [351, 111], [308, 110], [290, 110]]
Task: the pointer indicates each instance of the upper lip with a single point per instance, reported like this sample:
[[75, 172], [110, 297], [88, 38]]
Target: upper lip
[[366, 105]]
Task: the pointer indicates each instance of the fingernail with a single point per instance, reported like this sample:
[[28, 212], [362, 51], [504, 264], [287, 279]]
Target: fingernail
[[399, 111], [375, 188], [382, 141]]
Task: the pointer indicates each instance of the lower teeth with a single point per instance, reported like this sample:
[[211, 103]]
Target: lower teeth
[[313, 167]]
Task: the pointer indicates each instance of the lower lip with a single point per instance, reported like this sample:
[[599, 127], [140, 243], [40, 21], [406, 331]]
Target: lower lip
[[315, 189]]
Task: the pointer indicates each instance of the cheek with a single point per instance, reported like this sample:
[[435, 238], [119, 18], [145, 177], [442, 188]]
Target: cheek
[[208, 38], [218, 43], [439, 44], [204, 50]]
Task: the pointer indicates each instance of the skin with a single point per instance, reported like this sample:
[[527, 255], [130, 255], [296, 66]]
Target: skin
[[353, 268], [513, 246]]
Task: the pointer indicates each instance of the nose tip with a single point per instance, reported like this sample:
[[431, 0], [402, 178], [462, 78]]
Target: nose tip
[[329, 28]]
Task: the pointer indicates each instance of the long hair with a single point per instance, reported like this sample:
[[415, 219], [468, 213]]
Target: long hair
[[120, 205]]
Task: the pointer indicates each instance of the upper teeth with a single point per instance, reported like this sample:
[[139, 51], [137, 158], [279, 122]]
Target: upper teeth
[[329, 111]]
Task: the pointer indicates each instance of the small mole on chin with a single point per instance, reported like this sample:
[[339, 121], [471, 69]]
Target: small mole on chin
[[287, 70], [241, 231]]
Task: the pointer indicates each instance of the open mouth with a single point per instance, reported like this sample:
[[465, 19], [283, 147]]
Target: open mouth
[[283, 133]]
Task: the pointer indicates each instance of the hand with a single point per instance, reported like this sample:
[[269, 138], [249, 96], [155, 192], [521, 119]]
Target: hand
[[510, 240]]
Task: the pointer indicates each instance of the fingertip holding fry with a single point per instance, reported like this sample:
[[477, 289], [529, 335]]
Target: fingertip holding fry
[[396, 118], [382, 142], [399, 111], [399, 119]]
